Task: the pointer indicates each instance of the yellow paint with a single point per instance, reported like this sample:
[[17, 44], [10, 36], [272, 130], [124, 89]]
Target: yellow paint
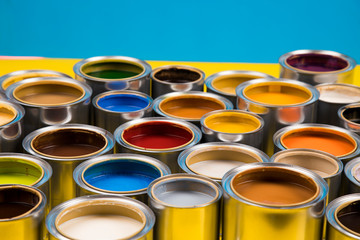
[[7, 114], [227, 84], [11, 80]]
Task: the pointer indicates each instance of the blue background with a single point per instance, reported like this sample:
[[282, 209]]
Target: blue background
[[214, 31]]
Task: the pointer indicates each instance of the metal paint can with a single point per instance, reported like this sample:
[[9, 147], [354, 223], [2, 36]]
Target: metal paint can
[[349, 116], [280, 103], [105, 73], [51, 101], [160, 138], [317, 66], [224, 83], [121, 174], [273, 201], [186, 207], [101, 217], [22, 212], [233, 126], [176, 78], [113, 108], [352, 173], [64, 147]]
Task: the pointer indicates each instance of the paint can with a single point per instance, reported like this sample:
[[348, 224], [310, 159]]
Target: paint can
[[317, 66], [113, 108], [281, 201], [280, 103], [105, 73], [22, 213], [64, 147], [331, 139], [160, 138], [233, 126], [189, 106], [51, 101], [186, 207], [352, 174], [13, 77], [121, 174], [224, 83], [176, 78], [343, 216], [11, 126], [101, 217], [349, 116]]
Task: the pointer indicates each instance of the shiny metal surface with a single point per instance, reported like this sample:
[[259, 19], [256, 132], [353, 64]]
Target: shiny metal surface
[[349, 117], [352, 174]]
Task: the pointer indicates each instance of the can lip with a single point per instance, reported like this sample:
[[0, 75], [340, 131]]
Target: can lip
[[322, 187], [79, 171], [20, 112], [343, 85], [350, 168], [351, 63], [232, 73], [183, 67], [177, 177], [347, 107], [140, 63]]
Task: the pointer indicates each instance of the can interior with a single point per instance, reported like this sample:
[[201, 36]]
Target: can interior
[[215, 161], [318, 138], [120, 175], [17, 78], [274, 186], [341, 94], [317, 62], [227, 84], [348, 217], [112, 69], [100, 219], [122, 102], [48, 93], [352, 114], [319, 163], [19, 171], [17, 201], [177, 75], [232, 122], [189, 107], [184, 192], [277, 93], [69, 143], [7, 114]]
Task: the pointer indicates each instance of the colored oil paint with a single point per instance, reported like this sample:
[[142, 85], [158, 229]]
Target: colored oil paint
[[123, 102], [177, 75], [14, 79], [7, 114], [228, 84], [185, 198], [19, 171], [349, 217], [342, 94], [112, 74], [214, 168]]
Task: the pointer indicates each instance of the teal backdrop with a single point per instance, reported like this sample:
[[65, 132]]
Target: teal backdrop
[[185, 30]]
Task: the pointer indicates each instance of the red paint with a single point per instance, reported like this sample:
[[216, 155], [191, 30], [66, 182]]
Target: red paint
[[157, 135]]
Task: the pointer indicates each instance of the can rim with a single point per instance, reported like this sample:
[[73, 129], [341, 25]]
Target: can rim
[[347, 107], [20, 112], [344, 85], [186, 67]]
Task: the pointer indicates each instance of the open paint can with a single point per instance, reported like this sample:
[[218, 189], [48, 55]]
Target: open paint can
[[176, 78], [317, 66], [186, 207], [281, 201], [64, 147], [352, 173], [349, 116], [101, 217], [107, 73], [120, 174]]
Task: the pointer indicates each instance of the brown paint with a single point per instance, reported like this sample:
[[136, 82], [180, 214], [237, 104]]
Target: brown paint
[[176, 75], [348, 216], [17, 78], [7, 114]]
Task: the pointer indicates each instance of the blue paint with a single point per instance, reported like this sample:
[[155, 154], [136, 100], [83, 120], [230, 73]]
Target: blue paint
[[123, 102], [121, 175]]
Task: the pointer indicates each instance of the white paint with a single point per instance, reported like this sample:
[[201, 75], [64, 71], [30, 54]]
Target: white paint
[[339, 94], [214, 168], [185, 198], [104, 227]]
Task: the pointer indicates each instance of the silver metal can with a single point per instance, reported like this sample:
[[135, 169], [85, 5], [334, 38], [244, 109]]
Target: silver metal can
[[352, 174], [349, 116]]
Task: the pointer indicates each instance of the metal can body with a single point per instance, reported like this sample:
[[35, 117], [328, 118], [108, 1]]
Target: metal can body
[[317, 66], [349, 117], [352, 174]]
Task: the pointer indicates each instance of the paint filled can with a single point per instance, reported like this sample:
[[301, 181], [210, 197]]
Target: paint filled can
[[176, 78], [11, 126], [101, 217], [352, 173], [331, 139], [224, 83], [332, 97], [343, 216], [317, 66], [13, 77], [121, 174], [281, 201], [233, 126], [160, 138], [280, 103], [64, 147], [22, 213], [51, 101], [189, 106], [186, 207], [214, 159], [113, 108], [349, 117], [105, 73]]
